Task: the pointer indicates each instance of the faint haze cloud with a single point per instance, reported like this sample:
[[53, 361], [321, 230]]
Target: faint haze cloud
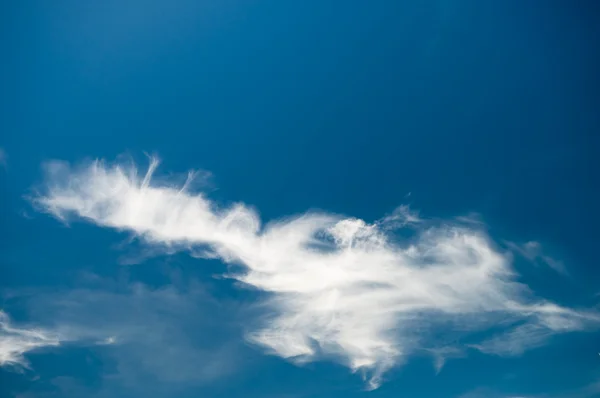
[[149, 333], [3, 157], [589, 390]]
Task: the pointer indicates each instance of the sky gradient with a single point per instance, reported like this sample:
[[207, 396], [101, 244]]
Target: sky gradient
[[299, 199]]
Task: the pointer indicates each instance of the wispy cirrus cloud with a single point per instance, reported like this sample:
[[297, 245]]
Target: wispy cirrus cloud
[[16, 341], [338, 287], [532, 251]]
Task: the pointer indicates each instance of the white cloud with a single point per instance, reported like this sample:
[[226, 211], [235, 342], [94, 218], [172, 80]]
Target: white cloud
[[15, 342], [338, 287]]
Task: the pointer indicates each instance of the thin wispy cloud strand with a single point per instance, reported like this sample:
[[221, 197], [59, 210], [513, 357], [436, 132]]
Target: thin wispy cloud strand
[[338, 287], [532, 251], [15, 342]]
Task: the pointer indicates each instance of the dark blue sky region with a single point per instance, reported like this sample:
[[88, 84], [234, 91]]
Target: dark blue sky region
[[485, 109]]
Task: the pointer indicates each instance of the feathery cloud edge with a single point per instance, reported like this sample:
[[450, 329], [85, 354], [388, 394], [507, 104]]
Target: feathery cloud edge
[[15, 342]]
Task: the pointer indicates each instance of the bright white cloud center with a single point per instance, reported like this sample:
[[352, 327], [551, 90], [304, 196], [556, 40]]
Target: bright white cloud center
[[340, 287]]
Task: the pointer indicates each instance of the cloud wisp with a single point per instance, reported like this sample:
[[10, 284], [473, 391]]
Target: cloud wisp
[[532, 251], [15, 342], [337, 287]]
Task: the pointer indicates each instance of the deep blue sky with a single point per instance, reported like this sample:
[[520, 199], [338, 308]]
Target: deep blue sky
[[345, 106]]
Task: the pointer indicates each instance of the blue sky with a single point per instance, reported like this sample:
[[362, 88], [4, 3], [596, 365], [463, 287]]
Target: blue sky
[[353, 199]]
